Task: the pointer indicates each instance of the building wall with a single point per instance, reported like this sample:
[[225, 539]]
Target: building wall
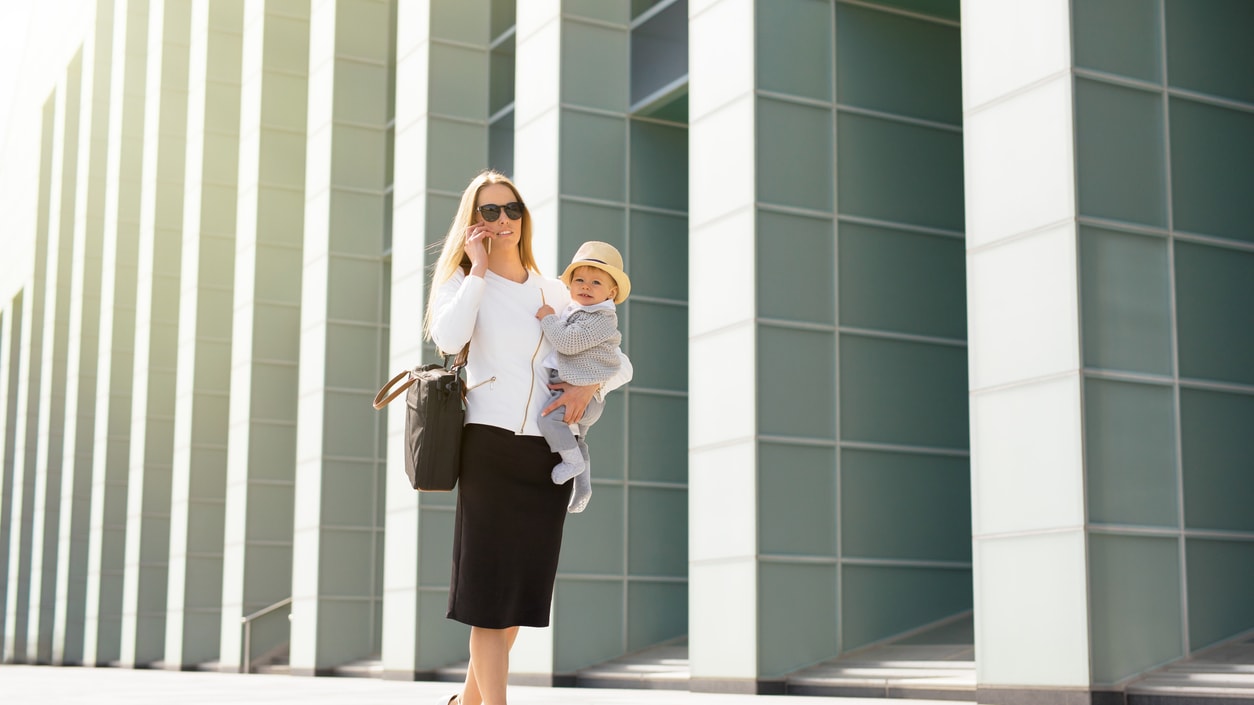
[[938, 309]]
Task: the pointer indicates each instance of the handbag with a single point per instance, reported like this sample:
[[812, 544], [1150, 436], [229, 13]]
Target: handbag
[[435, 411]]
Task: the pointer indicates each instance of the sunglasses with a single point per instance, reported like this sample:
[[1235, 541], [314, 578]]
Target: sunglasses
[[491, 211]]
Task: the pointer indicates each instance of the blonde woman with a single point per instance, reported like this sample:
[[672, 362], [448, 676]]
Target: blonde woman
[[486, 288]]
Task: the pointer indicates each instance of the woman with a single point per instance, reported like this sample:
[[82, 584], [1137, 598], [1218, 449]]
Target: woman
[[486, 288]]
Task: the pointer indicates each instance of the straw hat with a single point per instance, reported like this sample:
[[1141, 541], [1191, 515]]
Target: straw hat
[[601, 255]]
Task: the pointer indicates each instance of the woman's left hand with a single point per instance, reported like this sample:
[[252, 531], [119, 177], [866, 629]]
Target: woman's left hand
[[574, 398]]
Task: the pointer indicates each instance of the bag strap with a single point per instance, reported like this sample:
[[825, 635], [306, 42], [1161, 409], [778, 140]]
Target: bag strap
[[383, 398]]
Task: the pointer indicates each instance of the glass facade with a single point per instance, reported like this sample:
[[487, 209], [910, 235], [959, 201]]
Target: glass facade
[[940, 318]]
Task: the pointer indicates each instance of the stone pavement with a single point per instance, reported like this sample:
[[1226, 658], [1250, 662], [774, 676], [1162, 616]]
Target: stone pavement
[[53, 685]]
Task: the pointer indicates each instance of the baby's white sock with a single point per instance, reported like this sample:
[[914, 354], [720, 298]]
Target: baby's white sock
[[572, 464]]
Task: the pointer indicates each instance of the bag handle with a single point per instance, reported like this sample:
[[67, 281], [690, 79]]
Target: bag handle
[[383, 398]]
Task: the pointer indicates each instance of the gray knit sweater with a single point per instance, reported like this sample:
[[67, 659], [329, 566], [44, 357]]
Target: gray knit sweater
[[585, 342]]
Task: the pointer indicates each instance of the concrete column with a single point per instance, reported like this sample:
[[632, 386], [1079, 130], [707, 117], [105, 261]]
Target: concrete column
[[111, 454], [1027, 476], [433, 119], [83, 345], [10, 354], [47, 498], [265, 347], [26, 447], [156, 336], [337, 549], [198, 485], [722, 458]]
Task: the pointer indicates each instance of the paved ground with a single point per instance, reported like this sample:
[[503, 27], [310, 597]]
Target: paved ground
[[50, 685]]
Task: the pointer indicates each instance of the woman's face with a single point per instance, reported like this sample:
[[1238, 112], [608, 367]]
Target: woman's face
[[499, 200]]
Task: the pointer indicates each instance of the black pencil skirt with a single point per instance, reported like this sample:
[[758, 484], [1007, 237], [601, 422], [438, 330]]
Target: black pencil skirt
[[508, 530]]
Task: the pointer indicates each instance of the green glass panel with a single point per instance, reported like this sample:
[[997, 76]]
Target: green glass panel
[[460, 87], [1119, 153], [797, 619], [597, 61], [880, 601], [659, 165], [905, 505], [658, 438], [608, 445], [659, 363], [901, 281], [794, 155], [435, 552], [501, 78], [658, 261], [462, 21], [1217, 446], [1125, 301], [501, 144], [796, 268], [359, 89], [897, 64], [443, 640], [659, 54], [1212, 168], [587, 623], [1221, 580], [456, 151], [796, 500], [1134, 586], [942, 9], [503, 14], [895, 391], [592, 543], [617, 12], [594, 156], [794, 48], [1214, 290], [1209, 48], [1130, 453], [581, 222], [656, 612], [1119, 36], [899, 172], [657, 531], [796, 381], [638, 7]]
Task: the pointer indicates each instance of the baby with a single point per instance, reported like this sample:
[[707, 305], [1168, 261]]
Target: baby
[[585, 341]]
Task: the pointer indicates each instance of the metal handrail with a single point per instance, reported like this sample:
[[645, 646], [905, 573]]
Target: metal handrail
[[247, 623]]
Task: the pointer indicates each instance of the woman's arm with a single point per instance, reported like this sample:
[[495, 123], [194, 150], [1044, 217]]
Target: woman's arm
[[456, 308]]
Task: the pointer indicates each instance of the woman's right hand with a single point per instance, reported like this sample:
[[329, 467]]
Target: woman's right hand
[[477, 237]]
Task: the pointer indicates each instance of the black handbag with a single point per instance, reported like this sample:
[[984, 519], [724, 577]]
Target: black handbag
[[435, 411]]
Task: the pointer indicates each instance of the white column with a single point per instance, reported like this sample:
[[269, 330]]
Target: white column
[[537, 171], [198, 482], [722, 344], [47, 497], [111, 457], [1027, 480], [144, 584], [337, 545], [84, 333], [16, 625], [430, 36], [265, 343]]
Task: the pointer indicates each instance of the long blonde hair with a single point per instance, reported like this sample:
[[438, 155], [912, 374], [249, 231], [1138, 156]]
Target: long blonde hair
[[453, 255]]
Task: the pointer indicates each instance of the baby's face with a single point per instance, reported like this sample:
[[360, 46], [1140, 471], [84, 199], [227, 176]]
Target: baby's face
[[589, 285]]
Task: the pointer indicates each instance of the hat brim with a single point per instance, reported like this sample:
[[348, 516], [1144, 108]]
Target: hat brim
[[621, 280]]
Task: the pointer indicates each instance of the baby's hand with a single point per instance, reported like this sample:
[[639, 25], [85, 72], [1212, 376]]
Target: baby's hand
[[545, 310]]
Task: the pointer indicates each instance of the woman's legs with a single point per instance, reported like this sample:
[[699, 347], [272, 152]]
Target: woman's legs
[[488, 672]]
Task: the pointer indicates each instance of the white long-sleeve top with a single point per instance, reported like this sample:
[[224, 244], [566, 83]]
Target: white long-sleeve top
[[505, 375]]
